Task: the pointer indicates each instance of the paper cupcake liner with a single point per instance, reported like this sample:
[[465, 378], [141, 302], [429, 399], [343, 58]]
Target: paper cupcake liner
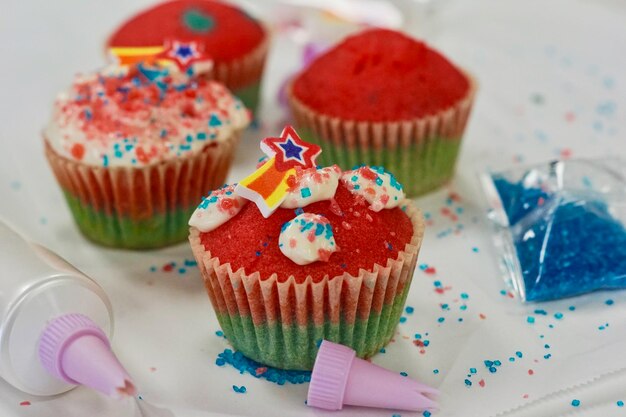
[[141, 207], [421, 153], [243, 76], [279, 323]]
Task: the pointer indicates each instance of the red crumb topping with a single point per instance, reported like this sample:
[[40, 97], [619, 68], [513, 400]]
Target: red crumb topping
[[251, 241], [225, 32], [380, 75]]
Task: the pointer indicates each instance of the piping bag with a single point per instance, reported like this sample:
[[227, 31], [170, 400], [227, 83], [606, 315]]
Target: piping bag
[[340, 378], [55, 324]]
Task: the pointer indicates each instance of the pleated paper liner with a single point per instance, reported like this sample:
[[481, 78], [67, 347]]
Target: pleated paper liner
[[421, 153], [141, 207], [281, 323], [243, 75]]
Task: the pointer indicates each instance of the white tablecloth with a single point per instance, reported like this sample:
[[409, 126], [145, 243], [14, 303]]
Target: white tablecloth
[[551, 84]]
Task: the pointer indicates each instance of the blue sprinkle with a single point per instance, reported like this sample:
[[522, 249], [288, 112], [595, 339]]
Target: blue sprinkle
[[189, 138], [493, 370], [488, 364], [305, 192], [441, 319], [518, 354], [609, 302], [402, 319], [541, 312], [201, 136], [426, 413], [403, 373], [105, 161], [473, 370], [558, 316], [219, 333], [409, 310], [620, 403], [182, 270], [257, 370], [241, 389], [299, 211], [468, 382], [575, 403], [426, 342], [464, 296], [530, 319], [435, 371], [437, 283], [497, 363], [418, 336], [153, 269], [571, 308], [382, 350], [215, 121], [258, 253]]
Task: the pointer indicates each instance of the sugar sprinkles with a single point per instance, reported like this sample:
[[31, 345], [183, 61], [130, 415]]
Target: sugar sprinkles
[[216, 209]]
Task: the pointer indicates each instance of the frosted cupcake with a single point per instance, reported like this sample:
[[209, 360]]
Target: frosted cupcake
[[382, 98], [134, 150], [186, 33], [332, 258]]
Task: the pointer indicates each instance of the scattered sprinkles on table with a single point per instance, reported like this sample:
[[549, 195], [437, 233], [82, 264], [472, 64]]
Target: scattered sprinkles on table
[[179, 267], [141, 115], [257, 370]]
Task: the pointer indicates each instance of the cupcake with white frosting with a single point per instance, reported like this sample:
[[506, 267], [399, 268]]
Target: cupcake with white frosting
[[334, 260], [135, 149]]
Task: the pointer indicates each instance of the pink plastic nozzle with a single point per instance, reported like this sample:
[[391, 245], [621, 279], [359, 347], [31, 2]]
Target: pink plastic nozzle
[[74, 349], [339, 378]]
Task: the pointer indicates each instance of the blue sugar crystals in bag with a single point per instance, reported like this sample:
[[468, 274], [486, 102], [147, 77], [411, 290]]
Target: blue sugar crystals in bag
[[559, 227]]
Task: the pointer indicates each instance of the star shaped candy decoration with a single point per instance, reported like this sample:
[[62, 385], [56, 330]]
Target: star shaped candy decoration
[[267, 186], [290, 151], [184, 54]]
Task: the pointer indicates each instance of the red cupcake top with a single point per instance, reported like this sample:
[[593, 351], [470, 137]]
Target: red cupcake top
[[342, 222], [363, 238], [380, 75], [223, 32]]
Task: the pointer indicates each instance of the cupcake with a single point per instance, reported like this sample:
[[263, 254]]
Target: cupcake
[[134, 152], [332, 258], [187, 33], [382, 98]]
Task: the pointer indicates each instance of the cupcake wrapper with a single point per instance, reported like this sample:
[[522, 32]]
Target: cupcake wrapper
[[243, 76], [281, 323], [421, 153], [141, 207]]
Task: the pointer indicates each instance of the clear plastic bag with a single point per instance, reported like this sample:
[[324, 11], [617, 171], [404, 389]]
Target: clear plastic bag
[[559, 227]]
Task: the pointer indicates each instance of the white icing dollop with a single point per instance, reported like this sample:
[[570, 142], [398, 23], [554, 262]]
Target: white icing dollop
[[216, 209], [307, 238], [377, 186], [313, 185]]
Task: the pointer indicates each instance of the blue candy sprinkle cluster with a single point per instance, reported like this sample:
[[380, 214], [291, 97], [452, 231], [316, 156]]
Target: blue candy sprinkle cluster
[[566, 244], [257, 370]]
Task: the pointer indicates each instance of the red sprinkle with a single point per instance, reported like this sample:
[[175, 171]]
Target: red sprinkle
[[481, 382], [25, 403], [168, 267], [430, 270], [260, 370], [482, 316], [531, 372], [78, 151]]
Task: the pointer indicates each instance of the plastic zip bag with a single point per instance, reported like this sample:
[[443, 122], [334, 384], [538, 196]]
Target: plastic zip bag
[[559, 227]]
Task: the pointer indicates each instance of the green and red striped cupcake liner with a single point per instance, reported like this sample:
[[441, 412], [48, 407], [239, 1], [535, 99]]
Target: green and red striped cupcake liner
[[280, 323]]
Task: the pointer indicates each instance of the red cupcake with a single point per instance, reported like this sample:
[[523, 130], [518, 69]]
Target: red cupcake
[[382, 98], [189, 34], [332, 258]]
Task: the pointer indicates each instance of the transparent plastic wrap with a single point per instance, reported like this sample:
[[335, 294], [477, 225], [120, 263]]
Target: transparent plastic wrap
[[559, 227]]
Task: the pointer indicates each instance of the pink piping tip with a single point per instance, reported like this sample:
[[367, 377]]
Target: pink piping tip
[[340, 378], [75, 350]]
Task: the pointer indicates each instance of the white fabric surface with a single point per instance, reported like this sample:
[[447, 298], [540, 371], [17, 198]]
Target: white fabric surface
[[551, 83]]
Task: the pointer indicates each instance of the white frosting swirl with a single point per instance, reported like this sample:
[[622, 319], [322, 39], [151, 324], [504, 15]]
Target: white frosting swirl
[[216, 209], [307, 238], [141, 116], [313, 185], [377, 186]]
